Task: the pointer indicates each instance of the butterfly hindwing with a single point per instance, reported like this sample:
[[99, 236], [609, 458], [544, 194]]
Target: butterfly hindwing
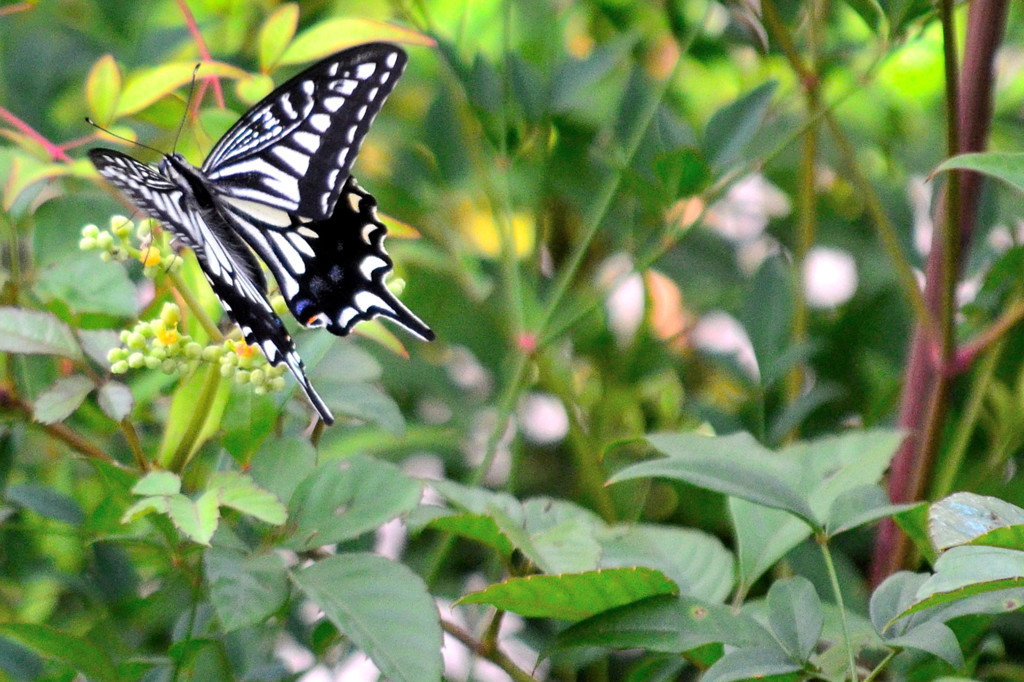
[[332, 272], [294, 149]]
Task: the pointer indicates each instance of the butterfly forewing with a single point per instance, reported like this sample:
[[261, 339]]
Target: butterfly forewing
[[229, 267], [294, 149]]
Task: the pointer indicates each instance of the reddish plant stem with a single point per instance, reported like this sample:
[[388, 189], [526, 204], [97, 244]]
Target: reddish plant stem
[[924, 390], [204, 52], [55, 152]]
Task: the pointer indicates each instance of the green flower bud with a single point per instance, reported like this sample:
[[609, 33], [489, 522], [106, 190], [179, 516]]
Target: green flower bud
[[87, 243], [241, 377], [136, 360], [170, 314], [119, 367], [152, 363], [136, 341], [104, 240], [90, 230], [168, 366]]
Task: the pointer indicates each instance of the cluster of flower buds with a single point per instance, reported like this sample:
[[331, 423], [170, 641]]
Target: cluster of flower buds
[[158, 344], [115, 244]]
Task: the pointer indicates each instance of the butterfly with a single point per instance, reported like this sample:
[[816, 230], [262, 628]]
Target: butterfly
[[278, 184]]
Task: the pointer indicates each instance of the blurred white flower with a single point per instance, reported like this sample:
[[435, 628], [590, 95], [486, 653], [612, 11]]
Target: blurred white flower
[[542, 418], [719, 332], [742, 215], [830, 277], [625, 302]]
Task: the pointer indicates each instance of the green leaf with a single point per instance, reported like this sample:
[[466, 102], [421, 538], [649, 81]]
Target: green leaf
[[572, 84], [893, 596], [31, 332], [795, 616], [342, 500], [732, 465], [733, 126], [573, 596], [146, 86], [116, 400], [820, 471], [968, 518], [245, 589], [46, 502], [860, 506], [238, 491], [766, 315], [146, 506], [97, 343], [968, 571], [561, 535], [363, 401], [62, 398], [743, 664], [1005, 166], [696, 561], [89, 287], [383, 608], [282, 464], [253, 89], [158, 483], [934, 638], [102, 89], [482, 529], [665, 624], [181, 440], [278, 30], [197, 520], [327, 37], [57, 645]]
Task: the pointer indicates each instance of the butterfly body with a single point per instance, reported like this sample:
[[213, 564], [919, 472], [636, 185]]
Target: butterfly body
[[278, 184]]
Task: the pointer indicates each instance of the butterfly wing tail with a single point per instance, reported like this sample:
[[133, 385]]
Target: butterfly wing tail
[[397, 312], [294, 364]]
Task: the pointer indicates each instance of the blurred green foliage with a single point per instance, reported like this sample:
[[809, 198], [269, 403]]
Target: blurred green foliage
[[632, 226]]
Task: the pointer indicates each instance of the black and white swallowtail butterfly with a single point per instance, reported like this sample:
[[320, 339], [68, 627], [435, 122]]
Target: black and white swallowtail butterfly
[[278, 183]]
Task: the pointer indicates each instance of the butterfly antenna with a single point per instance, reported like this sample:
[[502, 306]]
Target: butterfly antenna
[[97, 126], [188, 106]]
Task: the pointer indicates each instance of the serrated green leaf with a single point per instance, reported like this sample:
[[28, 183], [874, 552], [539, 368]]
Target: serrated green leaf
[[145, 506], [197, 520], [732, 465], [383, 608], [46, 502], [146, 86], [57, 645], [245, 589], [795, 616], [968, 518], [733, 126], [103, 89], [116, 400], [482, 529], [239, 492], [573, 596], [278, 30], [664, 624], [32, 332], [342, 500], [158, 483], [696, 561], [327, 37], [61, 399]]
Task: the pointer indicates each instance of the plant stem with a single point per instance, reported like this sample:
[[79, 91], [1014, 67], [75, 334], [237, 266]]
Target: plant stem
[[838, 593], [492, 654]]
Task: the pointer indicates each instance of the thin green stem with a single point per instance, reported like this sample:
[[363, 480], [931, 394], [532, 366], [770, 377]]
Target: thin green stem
[[602, 205], [838, 593], [881, 665], [132, 437], [205, 321], [492, 654]]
